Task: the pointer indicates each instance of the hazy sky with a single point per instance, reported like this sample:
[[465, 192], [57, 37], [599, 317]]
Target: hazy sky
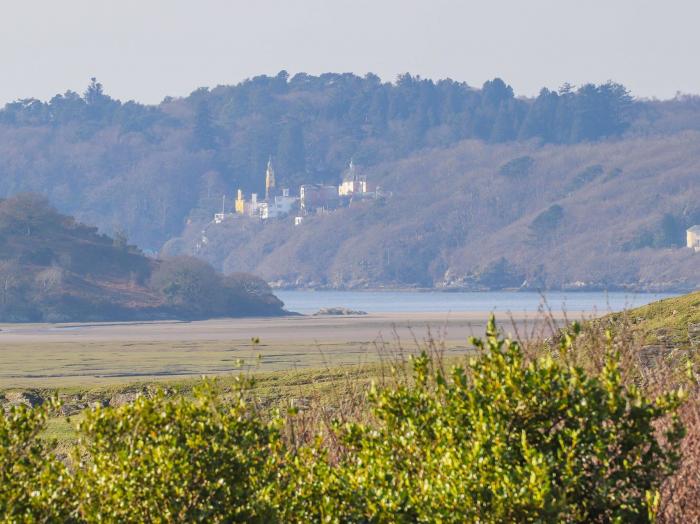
[[147, 49]]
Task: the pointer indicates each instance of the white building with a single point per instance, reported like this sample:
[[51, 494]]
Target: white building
[[220, 217], [693, 238], [352, 183], [253, 207], [281, 205]]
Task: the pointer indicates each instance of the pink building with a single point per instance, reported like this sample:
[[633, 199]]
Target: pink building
[[318, 196]]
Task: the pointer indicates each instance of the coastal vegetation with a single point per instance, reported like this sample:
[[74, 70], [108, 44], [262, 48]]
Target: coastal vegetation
[[55, 269], [580, 427]]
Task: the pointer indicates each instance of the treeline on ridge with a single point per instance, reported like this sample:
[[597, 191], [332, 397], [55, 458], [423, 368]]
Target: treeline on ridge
[[491, 113]]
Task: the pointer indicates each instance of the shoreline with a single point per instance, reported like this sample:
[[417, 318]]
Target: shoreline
[[647, 290], [8, 331]]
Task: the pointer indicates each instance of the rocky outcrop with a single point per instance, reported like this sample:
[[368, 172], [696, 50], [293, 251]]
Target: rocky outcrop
[[121, 399], [27, 398]]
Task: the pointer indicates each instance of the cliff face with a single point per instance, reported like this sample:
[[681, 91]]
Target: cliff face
[[607, 215], [55, 269]]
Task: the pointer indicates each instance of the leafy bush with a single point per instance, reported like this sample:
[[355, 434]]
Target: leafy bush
[[503, 439], [34, 485], [584, 177], [176, 460]]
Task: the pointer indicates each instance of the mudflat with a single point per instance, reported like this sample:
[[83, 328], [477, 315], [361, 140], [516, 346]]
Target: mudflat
[[62, 355]]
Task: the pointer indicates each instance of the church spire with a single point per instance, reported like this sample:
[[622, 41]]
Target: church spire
[[269, 179]]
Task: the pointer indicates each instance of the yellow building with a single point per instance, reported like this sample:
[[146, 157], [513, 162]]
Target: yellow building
[[276, 203], [240, 203]]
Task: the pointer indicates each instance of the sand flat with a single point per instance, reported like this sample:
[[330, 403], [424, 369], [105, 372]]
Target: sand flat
[[81, 354]]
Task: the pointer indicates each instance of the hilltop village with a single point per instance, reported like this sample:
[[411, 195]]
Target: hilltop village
[[311, 199]]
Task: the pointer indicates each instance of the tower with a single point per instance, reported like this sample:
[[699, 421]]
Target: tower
[[240, 203], [269, 180]]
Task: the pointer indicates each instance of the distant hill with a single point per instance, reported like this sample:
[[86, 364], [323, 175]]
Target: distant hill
[[55, 269], [491, 190], [605, 215], [147, 170]]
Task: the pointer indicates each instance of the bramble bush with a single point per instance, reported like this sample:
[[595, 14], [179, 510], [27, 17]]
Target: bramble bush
[[500, 439]]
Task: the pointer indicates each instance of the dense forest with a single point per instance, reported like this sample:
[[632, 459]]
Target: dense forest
[[156, 173], [55, 269], [144, 170]]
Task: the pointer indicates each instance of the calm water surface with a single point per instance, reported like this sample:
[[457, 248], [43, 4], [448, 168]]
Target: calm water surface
[[436, 302]]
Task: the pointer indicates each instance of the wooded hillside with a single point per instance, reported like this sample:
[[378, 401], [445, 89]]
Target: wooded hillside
[[606, 215], [489, 189], [55, 269], [144, 170]]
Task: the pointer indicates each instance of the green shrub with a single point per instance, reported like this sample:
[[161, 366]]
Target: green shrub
[[177, 460], [584, 177], [504, 441], [34, 485]]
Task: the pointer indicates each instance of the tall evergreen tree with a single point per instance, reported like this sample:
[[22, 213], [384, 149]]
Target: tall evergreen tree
[[98, 104], [378, 114], [94, 94], [599, 111], [540, 119], [291, 155], [203, 134]]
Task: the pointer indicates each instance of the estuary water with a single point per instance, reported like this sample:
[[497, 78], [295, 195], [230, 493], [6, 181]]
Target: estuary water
[[308, 302]]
